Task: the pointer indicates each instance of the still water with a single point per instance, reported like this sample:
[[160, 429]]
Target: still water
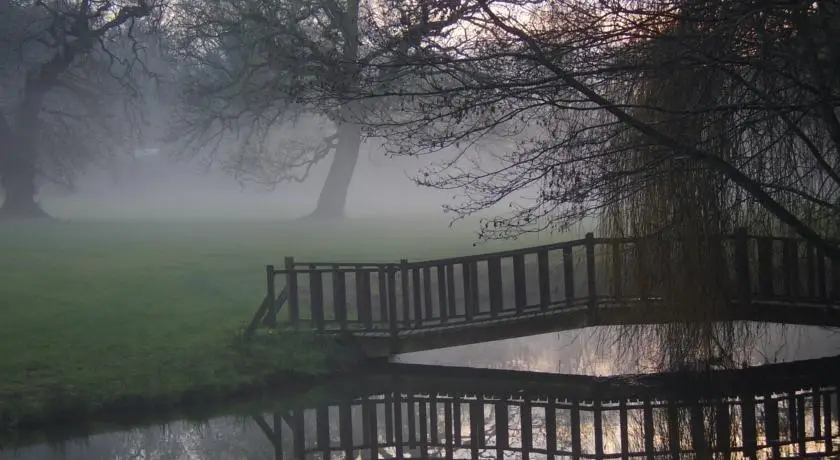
[[493, 414]]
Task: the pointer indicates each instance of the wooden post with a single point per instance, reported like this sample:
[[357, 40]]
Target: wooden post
[[316, 297], [412, 420], [569, 275], [474, 286], [476, 426], [271, 297], [298, 433], [544, 279], [527, 428], [363, 297], [392, 300], [597, 428], [502, 423], [827, 415], [771, 424], [448, 419], [616, 269], [742, 266], [382, 280], [424, 431], [590, 279], [456, 422], [398, 423], [624, 430], [723, 423], [441, 288], [648, 424], [417, 297], [468, 301], [519, 293], [345, 428], [292, 285], [427, 292], [574, 422], [748, 425], [551, 428], [765, 267], [816, 414], [789, 263], [673, 429], [450, 290], [810, 272], [800, 425], [406, 295], [698, 432], [433, 421], [340, 297], [494, 279]]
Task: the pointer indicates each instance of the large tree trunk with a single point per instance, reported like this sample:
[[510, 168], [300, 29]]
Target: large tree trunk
[[18, 183], [333, 196]]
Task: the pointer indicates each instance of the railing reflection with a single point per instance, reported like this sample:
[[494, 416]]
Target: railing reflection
[[438, 418]]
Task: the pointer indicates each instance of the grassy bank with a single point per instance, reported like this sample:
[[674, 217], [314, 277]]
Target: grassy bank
[[98, 314]]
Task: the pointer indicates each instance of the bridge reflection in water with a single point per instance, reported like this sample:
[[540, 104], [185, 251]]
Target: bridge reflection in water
[[775, 411]]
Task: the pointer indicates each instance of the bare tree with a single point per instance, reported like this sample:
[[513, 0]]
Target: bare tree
[[272, 86], [730, 104], [65, 72]]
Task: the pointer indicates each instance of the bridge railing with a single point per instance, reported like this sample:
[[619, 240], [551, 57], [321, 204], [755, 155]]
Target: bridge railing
[[580, 275]]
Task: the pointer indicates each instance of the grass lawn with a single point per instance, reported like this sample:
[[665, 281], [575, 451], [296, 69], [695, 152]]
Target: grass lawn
[[95, 313]]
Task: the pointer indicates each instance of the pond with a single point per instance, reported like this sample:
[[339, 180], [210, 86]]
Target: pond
[[495, 410]]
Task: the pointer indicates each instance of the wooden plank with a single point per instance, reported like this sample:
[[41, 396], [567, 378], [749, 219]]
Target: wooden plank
[[433, 421], [822, 277], [373, 430], [597, 425], [417, 298], [810, 272], [322, 429], [398, 423], [477, 440], [448, 414], [527, 428], [569, 274], [427, 293], [383, 294], [617, 284], [816, 413], [791, 268], [363, 298], [698, 432], [742, 266], [339, 283], [574, 416], [673, 429], [647, 411], [406, 295], [544, 276], [294, 295], [765, 267], [502, 425], [412, 420], [456, 422], [624, 430], [551, 429], [298, 434], [749, 432], [443, 305], [271, 319], [519, 290], [345, 428], [592, 287], [392, 300], [450, 290], [494, 278], [827, 416], [424, 431], [771, 424], [474, 287], [468, 301], [316, 299], [389, 418], [723, 422]]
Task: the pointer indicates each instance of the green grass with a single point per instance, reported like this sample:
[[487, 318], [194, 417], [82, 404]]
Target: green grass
[[97, 314]]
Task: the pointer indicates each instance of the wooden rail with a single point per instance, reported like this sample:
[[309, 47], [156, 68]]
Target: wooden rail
[[392, 298], [440, 418]]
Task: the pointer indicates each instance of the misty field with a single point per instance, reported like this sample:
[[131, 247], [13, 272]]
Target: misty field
[[94, 312]]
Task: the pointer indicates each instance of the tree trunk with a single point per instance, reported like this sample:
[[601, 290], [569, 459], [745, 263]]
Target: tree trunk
[[333, 196], [18, 183]]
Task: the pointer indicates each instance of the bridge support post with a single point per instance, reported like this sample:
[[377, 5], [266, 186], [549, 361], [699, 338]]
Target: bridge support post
[[592, 313], [271, 318]]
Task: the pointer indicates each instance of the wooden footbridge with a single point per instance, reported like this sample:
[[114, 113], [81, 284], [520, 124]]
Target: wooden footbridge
[[419, 305], [774, 411]]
